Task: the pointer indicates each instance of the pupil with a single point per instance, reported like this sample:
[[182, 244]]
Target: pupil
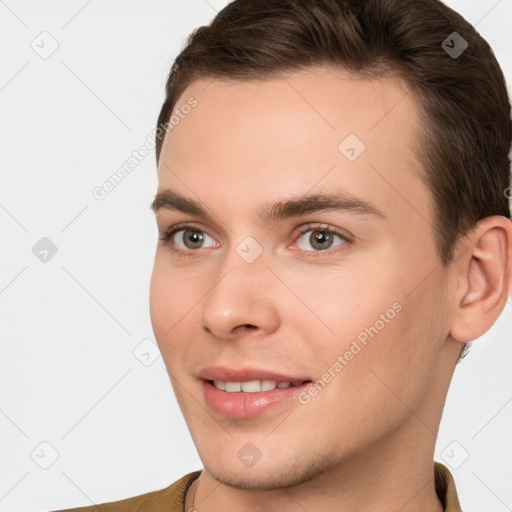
[[195, 238], [321, 237]]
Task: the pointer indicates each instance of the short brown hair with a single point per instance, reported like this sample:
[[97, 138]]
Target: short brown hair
[[465, 139]]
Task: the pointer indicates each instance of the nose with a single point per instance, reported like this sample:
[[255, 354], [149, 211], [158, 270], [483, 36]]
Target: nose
[[241, 300]]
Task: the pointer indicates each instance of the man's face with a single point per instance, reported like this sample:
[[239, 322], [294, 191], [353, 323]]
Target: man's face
[[360, 311]]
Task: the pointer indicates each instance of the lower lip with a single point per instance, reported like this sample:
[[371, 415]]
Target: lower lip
[[247, 405]]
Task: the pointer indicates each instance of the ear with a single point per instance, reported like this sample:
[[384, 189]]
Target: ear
[[485, 278]]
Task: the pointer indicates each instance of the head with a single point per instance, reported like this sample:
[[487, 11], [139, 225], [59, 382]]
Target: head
[[359, 107]]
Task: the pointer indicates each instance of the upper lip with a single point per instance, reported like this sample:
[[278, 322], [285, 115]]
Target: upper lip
[[246, 374]]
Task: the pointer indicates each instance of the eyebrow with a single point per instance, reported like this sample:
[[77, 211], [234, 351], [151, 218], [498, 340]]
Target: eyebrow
[[271, 213]]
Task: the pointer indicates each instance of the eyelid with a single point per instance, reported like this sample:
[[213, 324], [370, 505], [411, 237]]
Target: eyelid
[[321, 226], [184, 225]]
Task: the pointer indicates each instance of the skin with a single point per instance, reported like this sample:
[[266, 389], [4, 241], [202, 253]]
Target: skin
[[366, 441]]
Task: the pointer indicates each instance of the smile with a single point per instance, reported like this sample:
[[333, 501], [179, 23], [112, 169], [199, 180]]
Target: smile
[[249, 399], [253, 386]]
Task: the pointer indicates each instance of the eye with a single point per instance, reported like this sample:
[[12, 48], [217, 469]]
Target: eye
[[186, 238], [321, 238]]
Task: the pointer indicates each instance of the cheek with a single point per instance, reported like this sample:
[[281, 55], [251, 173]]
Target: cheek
[[338, 304], [367, 317], [158, 298], [172, 296], [400, 359]]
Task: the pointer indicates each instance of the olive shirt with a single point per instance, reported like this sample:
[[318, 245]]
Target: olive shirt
[[172, 498]]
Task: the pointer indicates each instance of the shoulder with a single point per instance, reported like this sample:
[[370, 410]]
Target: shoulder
[[445, 488], [170, 499]]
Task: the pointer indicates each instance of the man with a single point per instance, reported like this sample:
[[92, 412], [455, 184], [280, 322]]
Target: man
[[334, 229]]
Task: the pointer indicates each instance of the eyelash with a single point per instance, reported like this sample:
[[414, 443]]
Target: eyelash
[[323, 228]]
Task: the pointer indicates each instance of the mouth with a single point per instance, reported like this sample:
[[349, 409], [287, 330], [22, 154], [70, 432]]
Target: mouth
[[250, 399], [232, 391], [254, 386]]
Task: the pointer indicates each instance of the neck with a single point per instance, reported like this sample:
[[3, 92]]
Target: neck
[[398, 475]]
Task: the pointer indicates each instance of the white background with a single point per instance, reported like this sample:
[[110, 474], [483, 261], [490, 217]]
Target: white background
[[69, 327]]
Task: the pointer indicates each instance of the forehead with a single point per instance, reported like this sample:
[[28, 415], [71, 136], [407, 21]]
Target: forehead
[[312, 128], [321, 100]]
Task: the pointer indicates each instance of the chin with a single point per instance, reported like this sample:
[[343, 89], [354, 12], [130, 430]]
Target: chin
[[268, 474]]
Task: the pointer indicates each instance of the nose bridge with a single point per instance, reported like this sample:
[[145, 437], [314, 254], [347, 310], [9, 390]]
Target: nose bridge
[[240, 294]]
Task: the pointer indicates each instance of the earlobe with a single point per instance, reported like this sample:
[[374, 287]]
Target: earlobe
[[486, 278]]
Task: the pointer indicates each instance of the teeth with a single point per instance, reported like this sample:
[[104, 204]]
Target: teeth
[[268, 385], [220, 384], [233, 387], [252, 386]]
